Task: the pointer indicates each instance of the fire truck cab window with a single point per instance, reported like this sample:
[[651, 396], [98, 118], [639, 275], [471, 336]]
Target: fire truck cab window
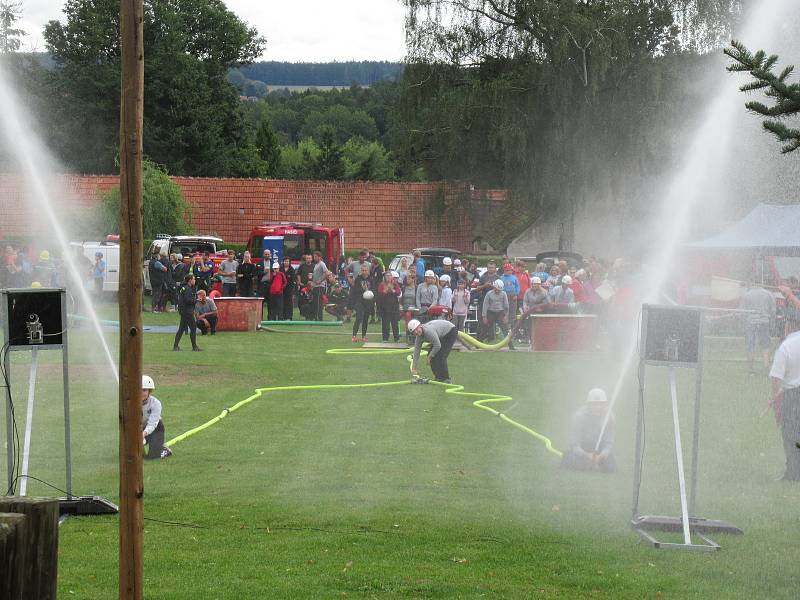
[[256, 247], [317, 240], [293, 247]]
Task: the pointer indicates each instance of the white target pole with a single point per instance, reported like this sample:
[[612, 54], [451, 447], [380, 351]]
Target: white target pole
[[26, 448]]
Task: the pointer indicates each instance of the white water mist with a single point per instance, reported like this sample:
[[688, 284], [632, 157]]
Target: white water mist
[[37, 168]]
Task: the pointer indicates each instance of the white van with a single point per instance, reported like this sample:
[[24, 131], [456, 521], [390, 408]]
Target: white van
[[110, 252]]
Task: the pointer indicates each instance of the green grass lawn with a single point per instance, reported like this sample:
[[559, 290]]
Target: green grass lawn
[[405, 491]]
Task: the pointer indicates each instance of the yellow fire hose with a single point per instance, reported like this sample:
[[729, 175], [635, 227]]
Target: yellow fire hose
[[484, 399]]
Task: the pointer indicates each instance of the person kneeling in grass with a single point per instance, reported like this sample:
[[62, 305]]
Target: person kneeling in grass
[[584, 453], [152, 425]]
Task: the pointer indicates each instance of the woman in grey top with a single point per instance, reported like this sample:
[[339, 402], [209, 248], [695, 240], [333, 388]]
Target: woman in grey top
[[427, 294]]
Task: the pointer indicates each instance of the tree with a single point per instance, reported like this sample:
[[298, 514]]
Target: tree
[[193, 119], [298, 161], [366, 161], [520, 93], [268, 148], [163, 205], [10, 13], [786, 96], [329, 164]]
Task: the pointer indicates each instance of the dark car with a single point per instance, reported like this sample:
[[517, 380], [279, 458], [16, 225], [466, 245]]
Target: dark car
[[573, 259]]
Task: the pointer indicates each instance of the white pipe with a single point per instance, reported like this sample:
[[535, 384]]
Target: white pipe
[[687, 537], [26, 448]]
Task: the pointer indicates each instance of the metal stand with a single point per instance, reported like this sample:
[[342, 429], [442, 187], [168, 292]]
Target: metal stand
[[70, 504], [686, 524]]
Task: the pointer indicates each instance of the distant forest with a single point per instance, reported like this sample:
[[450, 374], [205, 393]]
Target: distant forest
[[252, 80]]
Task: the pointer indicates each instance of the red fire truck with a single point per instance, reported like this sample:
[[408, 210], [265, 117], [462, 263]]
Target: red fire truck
[[292, 240]]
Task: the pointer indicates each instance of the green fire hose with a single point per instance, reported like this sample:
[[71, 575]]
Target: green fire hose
[[483, 399]]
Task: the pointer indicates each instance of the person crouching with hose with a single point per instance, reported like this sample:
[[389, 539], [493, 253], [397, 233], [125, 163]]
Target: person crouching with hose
[[152, 425], [441, 334]]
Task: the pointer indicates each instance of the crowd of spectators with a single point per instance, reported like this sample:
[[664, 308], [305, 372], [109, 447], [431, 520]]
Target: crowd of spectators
[[362, 291]]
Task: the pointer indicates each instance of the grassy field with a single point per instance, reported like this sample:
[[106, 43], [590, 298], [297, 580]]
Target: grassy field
[[408, 492]]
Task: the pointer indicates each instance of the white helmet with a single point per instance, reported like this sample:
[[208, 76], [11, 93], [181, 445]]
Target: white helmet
[[276, 265], [498, 284], [368, 295], [430, 273], [395, 274], [148, 383], [566, 280], [413, 324], [444, 278], [447, 260], [536, 280], [596, 395], [457, 262]]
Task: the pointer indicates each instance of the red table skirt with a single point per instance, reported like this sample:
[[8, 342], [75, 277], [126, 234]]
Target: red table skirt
[[238, 314], [570, 333]]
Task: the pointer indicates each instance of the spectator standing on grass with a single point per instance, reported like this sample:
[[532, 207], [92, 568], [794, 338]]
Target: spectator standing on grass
[[187, 299], [158, 274], [179, 272], [757, 324], [535, 299], [277, 286], [494, 311], [388, 298], [304, 271], [205, 311], [419, 265], [361, 305], [169, 293], [511, 288], [245, 273], [447, 267], [152, 426], [785, 391], [376, 273], [263, 274], [98, 274], [227, 273], [553, 278], [461, 298], [354, 268], [288, 292], [521, 272], [402, 269], [408, 297], [199, 271], [445, 292], [561, 294], [427, 294], [483, 288], [318, 280]]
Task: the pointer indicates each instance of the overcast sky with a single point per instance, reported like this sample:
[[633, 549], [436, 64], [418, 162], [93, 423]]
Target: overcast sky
[[296, 30]]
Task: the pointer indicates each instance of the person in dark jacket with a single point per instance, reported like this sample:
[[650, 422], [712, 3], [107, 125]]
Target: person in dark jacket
[[187, 299], [244, 276], [388, 301], [158, 281], [362, 285], [288, 292]]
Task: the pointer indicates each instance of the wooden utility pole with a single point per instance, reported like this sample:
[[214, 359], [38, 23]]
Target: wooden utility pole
[[131, 486]]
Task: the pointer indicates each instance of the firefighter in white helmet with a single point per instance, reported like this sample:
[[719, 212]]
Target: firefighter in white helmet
[[152, 425]]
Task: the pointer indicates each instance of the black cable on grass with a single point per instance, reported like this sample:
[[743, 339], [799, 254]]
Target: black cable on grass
[[15, 450]]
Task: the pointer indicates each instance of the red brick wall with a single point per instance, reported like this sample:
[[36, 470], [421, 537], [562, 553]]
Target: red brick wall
[[381, 216]]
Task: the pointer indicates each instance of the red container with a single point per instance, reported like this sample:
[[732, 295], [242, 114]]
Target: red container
[[238, 314], [564, 333]]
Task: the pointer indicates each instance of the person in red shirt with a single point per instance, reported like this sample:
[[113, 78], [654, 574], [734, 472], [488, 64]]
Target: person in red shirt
[[277, 285], [524, 279]]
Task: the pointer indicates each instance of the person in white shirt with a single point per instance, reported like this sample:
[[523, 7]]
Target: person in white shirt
[[445, 292], [785, 397]]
